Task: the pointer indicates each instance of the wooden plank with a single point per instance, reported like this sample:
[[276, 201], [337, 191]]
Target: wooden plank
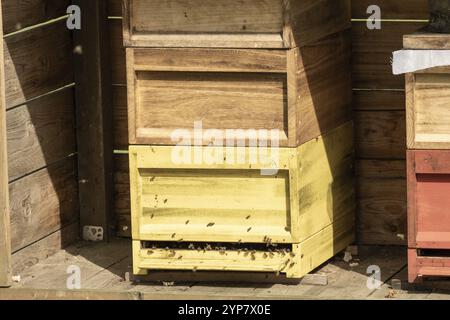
[[94, 117], [64, 294], [20, 14], [426, 40], [381, 134], [122, 207], [428, 121], [43, 203], [40, 133], [120, 117], [37, 62], [372, 52], [5, 226], [426, 266], [117, 52], [115, 8], [221, 97], [381, 169], [381, 211], [378, 100], [392, 9], [227, 260], [381, 194], [46, 247], [323, 86], [91, 258], [258, 24], [311, 20]]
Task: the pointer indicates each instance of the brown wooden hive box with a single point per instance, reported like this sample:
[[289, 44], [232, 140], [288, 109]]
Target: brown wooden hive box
[[232, 23], [302, 92], [428, 97]]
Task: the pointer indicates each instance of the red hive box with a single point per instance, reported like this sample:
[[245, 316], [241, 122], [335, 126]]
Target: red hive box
[[428, 213]]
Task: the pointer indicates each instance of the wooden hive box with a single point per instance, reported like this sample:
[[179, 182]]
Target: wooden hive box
[[303, 92], [428, 218], [271, 24], [428, 97], [428, 158], [306, 206]]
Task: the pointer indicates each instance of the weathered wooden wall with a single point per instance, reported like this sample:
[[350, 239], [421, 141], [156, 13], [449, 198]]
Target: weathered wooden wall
[[40, 117], [379, 113], [379, 110]]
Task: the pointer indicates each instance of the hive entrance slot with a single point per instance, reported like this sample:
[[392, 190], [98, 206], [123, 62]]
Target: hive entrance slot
[[434, 253], [209, 246]]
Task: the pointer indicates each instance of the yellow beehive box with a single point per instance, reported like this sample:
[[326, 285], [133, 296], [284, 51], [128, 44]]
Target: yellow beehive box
[[305, 197]]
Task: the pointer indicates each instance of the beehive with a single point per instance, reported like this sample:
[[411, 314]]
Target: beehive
[[232, 23], [302, 92], [309, 199], [271, 66], [428, 157]]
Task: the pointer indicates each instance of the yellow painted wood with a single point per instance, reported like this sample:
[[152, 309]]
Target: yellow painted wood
[[260, 261], [304, 257], [235, 202], [324, 245], [325, 181], [309, 203]]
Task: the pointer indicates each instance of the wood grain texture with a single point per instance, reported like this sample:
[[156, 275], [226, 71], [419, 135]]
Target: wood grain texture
[[120, 117], [43, 203], [46, 247], [302, 93], [372, 52], [257, 24], [380, 119], [428, 185], [117, 52], [381, 218], [379, 100], [5, 226], [381, 135], [428, 121], [304, 257], [40, 133], [420, 266], [312, 190], [324, 96], [37, 62], [122, 206], [19, 14], [392, 9], [115, 8], [94, 117], [426, 40]]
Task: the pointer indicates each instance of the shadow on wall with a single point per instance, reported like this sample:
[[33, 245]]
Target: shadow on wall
[[41, 139]]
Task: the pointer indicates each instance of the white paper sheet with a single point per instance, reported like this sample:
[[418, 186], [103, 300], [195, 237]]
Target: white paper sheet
[[405, 61]]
